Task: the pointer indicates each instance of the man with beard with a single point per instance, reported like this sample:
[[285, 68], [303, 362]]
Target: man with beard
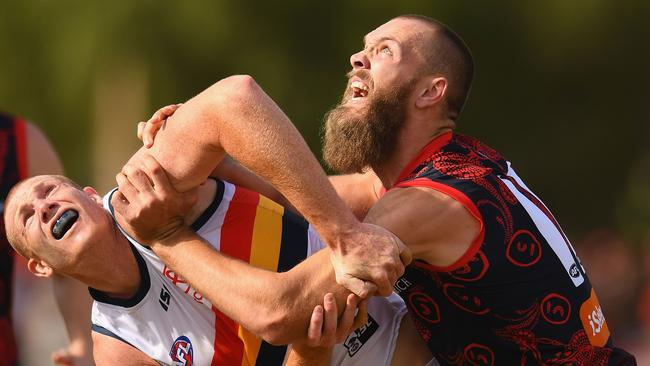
[[495, 280]]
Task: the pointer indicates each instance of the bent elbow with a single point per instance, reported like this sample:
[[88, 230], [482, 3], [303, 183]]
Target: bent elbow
[[237, 87], [274, 329]]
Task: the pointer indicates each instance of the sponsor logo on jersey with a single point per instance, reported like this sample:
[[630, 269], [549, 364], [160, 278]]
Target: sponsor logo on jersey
[[574, 271], [165, 298], [181, 352], [359, 337], [593, 321], [401, 285]]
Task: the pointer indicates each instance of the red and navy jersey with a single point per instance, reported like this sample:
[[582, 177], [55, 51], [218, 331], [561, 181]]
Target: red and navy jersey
[[519, 295], [13, 168]]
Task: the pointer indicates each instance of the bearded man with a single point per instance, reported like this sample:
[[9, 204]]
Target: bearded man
[[495, 280]]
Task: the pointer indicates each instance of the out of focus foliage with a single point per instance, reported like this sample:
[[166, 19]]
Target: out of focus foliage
[[561, 86]]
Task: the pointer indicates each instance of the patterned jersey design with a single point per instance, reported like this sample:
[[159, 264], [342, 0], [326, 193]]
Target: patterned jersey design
[[12, 170], [519, 296]]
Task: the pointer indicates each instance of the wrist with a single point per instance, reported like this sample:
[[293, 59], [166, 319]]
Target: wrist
[[171, 237], [338, 236]]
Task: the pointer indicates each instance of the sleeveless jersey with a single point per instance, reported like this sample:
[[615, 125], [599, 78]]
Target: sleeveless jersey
[[519, 295], [172, 323], [13, 168]]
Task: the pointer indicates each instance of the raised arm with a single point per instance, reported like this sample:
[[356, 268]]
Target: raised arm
[[237, 117], [274, 306]]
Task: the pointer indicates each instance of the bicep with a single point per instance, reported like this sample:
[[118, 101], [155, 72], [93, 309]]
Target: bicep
[[110, 351], [436, 227]]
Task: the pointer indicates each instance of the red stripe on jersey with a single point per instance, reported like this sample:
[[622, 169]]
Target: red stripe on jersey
[[469, 205], [236, 239], [228, 348], [21, 148], [237, 230]]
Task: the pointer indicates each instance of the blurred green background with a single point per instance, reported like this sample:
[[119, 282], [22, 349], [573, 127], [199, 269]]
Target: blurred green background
[[561, 86]]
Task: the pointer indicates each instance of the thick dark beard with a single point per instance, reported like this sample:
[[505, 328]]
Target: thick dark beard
[[355, 140]]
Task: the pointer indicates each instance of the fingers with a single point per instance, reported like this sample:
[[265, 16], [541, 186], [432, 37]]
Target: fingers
[[384, 281], [330, 323], [363, 289], [127, 190], [405, 254], [155, 172], [315, 326], [347, 319], [141, 126], [139, 179], [151, 127]]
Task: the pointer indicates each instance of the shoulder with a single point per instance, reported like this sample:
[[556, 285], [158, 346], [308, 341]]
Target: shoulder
[[435, 225]]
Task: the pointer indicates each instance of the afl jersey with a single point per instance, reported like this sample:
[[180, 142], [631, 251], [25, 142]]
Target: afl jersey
[[13, 168], [519, 295], [168, 320]]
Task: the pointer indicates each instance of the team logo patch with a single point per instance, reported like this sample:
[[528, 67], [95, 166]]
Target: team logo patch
[[359, 337], [181, 352]]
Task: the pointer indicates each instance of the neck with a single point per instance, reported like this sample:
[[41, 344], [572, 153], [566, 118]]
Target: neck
[[410, 142], [114, 271], [119, 277]]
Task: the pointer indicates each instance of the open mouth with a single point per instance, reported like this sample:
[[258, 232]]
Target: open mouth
[[359, 89], [64, 223]]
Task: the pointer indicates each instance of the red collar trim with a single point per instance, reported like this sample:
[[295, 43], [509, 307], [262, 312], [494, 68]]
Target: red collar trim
[[433, 146]]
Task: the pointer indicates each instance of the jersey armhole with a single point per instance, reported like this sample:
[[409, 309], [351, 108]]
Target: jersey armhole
[[468, 204], [101, 330]]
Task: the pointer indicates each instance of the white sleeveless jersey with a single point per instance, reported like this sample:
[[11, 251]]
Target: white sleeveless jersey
[[172, 323]]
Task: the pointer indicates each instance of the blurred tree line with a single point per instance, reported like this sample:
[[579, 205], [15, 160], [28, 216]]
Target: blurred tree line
[[561, 86]]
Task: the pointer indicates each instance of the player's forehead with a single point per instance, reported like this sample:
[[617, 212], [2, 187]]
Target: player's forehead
[[401, 30], [24, 191]]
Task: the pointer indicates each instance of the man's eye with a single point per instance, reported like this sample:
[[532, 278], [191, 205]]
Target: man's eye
[[386, 50]]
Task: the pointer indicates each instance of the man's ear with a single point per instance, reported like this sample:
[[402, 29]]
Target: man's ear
[[433, 92], [39, 268], [90, 191]]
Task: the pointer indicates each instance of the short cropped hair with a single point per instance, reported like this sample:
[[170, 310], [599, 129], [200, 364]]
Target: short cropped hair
[[18, 245], [447, 54]]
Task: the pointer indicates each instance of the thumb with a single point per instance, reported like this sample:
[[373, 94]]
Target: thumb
[[405, 254], [359, 287]]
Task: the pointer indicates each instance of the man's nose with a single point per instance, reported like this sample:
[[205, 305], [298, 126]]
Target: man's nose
[[45, 209], [360, 61]]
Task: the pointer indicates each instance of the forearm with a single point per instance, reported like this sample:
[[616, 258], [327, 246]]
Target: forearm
[[308, 356], [274, 306], [237, 117], [233, 172]]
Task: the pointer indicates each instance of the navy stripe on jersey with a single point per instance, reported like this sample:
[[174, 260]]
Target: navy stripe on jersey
[[294, 241], [205, 216], [270, 355]]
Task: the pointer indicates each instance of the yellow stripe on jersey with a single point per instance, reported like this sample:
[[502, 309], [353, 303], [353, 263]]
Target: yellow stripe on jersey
[[267, 235], [265, 253]]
